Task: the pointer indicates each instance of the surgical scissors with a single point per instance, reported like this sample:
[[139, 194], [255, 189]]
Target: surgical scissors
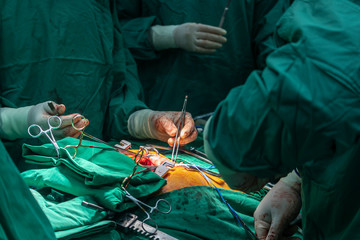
[[148, 218], [36, 131]]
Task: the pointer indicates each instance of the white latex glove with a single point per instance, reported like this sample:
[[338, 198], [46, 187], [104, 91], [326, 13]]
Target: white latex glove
[[14, 122], [192, 37], [278, 208], [161, 125]]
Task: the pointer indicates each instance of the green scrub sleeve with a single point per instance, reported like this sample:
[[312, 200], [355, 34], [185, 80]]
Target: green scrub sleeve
[[136, 29], [126, 95], [236, 134], [286, 115], [15, 200], [266, 15]]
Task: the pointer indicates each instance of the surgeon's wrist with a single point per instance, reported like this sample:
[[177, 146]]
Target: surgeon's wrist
[[293, 180], [139, 124], [163, 37], [14, 122]]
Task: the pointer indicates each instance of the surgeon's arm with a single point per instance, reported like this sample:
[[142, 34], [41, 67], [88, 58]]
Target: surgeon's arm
[[135, 28], [145, 35], [262, 128], [129, 116]]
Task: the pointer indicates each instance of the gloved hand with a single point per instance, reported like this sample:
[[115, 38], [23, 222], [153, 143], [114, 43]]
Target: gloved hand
[[278, 208], [161, 125], [192, 37], [14, 122]]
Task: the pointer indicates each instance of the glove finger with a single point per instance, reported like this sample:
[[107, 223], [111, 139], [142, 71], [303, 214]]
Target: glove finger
[[211, 37], [67, 120], [275, 229], [261, 229], [53, 108], [60, 108], [203, 50], [183, 141], [167, 126], [207, 44], [211, 29], [68, 131], [189, 126], [188, 139]]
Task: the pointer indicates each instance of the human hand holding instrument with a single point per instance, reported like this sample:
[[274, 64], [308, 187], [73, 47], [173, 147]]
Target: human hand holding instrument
[[54, 122]]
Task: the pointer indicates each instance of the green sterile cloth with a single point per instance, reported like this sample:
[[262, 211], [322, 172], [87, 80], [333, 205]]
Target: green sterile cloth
[[100, 175], [20, 215], [70, 219], [96, 231], [199, 213]]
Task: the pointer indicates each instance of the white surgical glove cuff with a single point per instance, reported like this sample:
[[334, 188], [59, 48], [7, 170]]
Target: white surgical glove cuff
[[139, 124], [293, 180], [14, 122], [163, 37]]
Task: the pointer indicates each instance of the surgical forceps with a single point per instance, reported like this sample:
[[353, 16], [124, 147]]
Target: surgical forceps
[[83, 133], [178, 131], [54, 122], [148, 218]]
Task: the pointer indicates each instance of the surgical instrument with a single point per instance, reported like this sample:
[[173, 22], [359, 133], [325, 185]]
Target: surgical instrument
[[51, 106], [92, 205], [178, 131], [54, 122], [190, 152], [148, 218], [224, 14], [123, 146], [130, 221], [83, 133]]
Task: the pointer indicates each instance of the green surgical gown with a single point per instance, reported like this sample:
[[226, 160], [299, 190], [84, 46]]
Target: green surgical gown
[[302, 111], [70, 52], [167, 76], [20, 214]]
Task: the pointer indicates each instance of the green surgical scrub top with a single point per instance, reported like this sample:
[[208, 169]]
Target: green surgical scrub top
[[168, 75], [70, 52], [302, 111]]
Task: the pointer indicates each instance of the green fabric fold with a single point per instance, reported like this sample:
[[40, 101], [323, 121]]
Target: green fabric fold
[[97, 173]]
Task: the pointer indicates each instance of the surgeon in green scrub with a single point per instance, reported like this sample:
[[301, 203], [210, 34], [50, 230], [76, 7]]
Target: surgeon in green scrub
[[20, 215], [301, 112], [72, 53], [181, 50]]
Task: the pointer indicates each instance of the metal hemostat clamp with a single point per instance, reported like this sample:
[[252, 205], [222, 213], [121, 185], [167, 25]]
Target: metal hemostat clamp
[[123, 145], [164, 167], [130, 221]]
